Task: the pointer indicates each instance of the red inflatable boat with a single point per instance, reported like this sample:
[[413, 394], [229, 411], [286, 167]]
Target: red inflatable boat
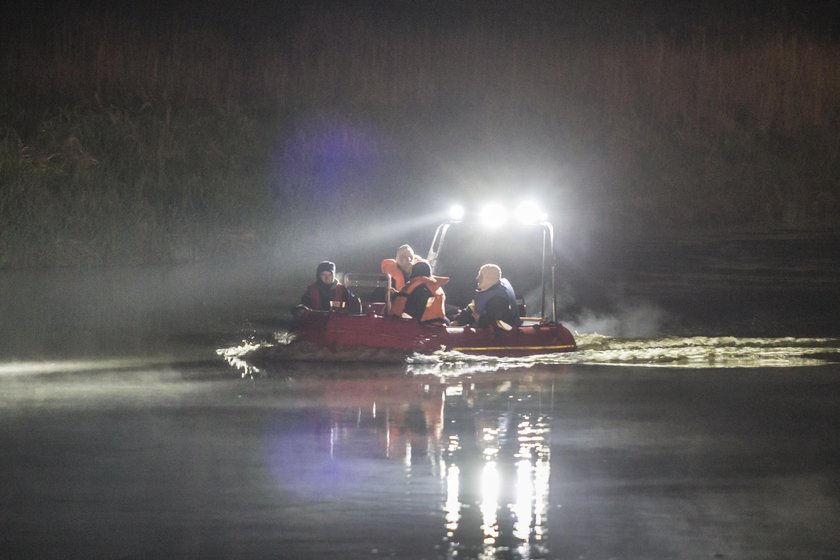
[[372, 330], [375, 328]]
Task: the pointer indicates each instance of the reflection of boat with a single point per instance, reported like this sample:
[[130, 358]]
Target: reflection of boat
[[478, 447], [540, 334]]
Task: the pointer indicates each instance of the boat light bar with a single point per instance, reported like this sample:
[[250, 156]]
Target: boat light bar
[[497, 214], [494, 215], [529, 212], [456, 213]]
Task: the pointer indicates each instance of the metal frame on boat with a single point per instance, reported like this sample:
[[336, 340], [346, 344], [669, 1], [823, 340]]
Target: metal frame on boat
[[549, 263]]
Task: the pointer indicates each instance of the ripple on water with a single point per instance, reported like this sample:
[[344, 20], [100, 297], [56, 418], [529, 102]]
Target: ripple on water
[[705, 352], [671, 351]]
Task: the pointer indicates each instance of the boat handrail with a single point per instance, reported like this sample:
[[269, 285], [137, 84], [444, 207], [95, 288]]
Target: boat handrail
[[375, 286]]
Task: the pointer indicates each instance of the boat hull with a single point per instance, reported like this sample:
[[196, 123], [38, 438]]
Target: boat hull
[[337, 330]]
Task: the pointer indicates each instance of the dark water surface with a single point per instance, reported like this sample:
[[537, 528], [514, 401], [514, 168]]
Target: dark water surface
[[543, 462], [701, 422]]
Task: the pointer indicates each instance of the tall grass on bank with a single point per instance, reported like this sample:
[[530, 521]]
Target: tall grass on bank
[[131, 142], [338, 58]]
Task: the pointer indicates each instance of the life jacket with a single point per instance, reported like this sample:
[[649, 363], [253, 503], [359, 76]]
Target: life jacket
[[339, 296], [398, 277], [435, 307]]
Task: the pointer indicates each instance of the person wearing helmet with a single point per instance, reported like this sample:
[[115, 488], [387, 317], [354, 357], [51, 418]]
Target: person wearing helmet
[[422, 298]]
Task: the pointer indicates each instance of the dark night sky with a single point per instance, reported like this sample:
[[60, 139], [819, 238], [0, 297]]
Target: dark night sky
[[609, 16]]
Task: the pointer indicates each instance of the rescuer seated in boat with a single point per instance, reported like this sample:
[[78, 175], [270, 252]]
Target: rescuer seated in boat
[[327, 294], [494, 302], [422, 298]]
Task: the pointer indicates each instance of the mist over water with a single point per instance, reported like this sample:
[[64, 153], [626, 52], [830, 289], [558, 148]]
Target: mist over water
[[631, 321], [767, 286]]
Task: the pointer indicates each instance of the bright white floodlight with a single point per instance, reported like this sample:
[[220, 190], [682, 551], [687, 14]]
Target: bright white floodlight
[[494, 215], [529, 212], [456, 213]]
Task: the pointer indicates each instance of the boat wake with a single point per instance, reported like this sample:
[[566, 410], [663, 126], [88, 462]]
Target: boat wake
[[253, 357], [673, 352], [256, 357]]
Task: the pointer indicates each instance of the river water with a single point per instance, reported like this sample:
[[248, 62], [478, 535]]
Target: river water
[[140, 418]]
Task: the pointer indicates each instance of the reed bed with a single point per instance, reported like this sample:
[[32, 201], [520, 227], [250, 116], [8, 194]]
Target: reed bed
[[338, 59], [134, 142]]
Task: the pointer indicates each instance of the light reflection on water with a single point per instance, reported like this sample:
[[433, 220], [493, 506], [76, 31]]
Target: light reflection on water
[[513, 481], [482, 444]]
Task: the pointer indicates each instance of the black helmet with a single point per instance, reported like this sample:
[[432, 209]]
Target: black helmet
[[421, 268]]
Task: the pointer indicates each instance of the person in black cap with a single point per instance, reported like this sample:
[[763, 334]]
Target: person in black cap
[[326, 293]]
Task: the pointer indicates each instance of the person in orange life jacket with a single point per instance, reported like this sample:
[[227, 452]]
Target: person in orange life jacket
[[423, 297], [327, 293], [400, 267], [494, 301]]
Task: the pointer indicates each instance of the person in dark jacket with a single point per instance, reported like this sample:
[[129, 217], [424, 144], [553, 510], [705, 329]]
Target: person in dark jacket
[[422, 298], [326, 293], [494, 302]]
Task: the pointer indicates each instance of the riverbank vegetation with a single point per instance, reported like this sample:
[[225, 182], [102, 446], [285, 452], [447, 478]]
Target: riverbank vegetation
[[163, 139]]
